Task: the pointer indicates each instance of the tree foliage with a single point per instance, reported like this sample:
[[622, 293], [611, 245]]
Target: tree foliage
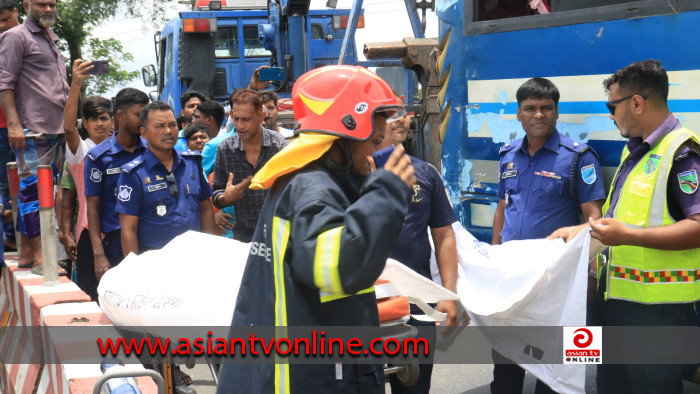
[[112, 51], [78, 18]]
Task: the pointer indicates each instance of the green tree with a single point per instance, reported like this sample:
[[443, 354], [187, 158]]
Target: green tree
[[76, 20]]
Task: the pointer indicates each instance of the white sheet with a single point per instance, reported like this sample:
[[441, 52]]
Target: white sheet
[[526, 283]]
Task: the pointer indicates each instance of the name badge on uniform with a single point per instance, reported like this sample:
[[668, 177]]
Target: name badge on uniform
[[114, 170], [161, 210], [510, 174], [157, 186], [507, 199]]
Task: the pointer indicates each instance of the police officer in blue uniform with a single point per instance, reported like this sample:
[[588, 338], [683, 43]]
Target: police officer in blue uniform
[[547, 181], [101, 172], [163, 193]]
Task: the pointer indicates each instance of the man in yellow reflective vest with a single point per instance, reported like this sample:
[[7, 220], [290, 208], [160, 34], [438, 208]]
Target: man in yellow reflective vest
[[650, 274]]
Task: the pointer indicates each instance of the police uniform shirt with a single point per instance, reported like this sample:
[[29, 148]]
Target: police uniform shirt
[[428, 207], [681, 190], [101, 173], [537, 189], [163, 212]]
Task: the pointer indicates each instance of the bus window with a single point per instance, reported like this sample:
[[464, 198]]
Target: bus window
[[500, 9], [226, 42], [316, 31], [253, 47], [566, 5], [492, 16], [169, 58]]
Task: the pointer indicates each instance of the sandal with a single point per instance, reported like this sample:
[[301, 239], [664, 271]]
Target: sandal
[[26, 265], [39, 270], [183, 377]]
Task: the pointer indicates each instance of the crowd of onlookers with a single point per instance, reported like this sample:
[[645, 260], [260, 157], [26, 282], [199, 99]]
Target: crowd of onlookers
[[130, 176], [203, 126]]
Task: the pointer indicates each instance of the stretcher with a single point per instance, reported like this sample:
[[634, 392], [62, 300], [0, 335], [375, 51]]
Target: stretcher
[[130, 297], [394, 312]]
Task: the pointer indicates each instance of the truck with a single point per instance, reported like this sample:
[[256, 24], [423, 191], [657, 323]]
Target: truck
[[216, 47]]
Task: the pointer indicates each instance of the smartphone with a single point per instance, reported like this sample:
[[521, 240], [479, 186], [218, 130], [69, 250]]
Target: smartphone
[[272, 74], [99, 67], [381, 156]]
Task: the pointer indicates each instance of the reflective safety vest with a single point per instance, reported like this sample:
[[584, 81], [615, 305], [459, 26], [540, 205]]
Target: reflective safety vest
[[646, 275]]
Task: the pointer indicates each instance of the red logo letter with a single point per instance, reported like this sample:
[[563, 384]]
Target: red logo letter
[[584, 339]]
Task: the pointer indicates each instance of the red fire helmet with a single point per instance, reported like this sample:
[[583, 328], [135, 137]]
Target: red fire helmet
[[342, 101]]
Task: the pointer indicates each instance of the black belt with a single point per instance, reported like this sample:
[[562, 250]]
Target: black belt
[[116, 234]]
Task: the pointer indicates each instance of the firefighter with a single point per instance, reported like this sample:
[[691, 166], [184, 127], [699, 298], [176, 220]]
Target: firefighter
[[326, 229]]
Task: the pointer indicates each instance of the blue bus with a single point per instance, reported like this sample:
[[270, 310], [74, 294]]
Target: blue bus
[[488, 48]]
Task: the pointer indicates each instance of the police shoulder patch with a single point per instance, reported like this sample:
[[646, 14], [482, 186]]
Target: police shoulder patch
[[96, 175], [688, 181], [124, 193], [588, 174]]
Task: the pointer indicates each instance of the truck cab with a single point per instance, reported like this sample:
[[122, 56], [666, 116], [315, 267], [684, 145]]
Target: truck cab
[[216, 47]]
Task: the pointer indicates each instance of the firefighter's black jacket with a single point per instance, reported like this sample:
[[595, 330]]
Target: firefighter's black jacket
[[320, 243]]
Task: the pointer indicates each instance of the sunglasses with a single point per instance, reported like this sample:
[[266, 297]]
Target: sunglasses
[[172, 185], [613, 104]]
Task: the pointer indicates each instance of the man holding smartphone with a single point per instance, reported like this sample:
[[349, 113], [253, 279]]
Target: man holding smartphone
[[33, 93]]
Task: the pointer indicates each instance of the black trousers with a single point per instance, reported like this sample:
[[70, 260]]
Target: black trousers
[[641, 378], [422, 386], [508, 377], [86, 265], [112, 244]]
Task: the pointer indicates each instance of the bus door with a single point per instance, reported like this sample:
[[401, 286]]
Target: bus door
[[168, 82]]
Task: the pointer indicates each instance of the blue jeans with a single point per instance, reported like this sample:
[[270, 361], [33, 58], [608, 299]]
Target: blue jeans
[[6, 155]]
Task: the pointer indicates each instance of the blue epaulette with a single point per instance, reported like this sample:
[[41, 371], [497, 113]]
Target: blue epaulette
[[98, 150], [190, 154], [509, 146], [570, 144], [132, 165]]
